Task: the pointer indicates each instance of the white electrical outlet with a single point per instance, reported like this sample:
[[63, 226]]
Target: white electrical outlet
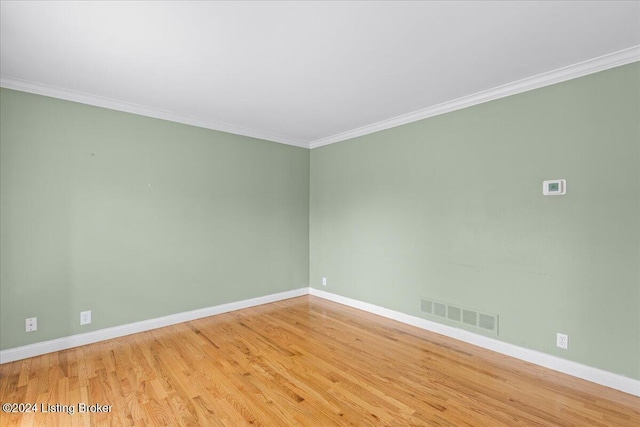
[[324, 281], [562, 340], [85, 317], [31, 324]]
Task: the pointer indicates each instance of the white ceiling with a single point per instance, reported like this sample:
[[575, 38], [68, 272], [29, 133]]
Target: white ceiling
[[302, 73]]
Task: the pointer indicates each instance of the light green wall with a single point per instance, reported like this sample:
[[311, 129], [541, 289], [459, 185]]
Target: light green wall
[[451, 208], [135, 218]]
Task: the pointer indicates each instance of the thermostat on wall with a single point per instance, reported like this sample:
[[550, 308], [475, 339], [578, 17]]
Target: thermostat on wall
[[554, 187]]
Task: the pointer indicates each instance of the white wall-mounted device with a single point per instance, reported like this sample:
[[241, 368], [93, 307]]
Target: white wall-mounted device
[[85, 317], [554, 187]]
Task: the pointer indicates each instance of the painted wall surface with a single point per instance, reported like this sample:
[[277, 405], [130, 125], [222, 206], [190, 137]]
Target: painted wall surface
[[451, 208], [135, 218]]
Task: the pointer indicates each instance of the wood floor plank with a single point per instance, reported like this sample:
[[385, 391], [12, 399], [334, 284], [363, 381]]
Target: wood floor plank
[[302, 362]]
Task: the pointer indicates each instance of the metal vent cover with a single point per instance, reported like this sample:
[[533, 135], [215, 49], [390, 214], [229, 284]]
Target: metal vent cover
[[453, 313], [488, 322], [440, 309], [470, 317], [426, 306]]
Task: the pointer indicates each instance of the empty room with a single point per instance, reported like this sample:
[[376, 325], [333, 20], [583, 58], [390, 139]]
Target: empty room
[[320, 213]]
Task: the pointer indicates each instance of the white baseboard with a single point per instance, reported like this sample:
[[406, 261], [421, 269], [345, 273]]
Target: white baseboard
[[595, 375], [64, 343]]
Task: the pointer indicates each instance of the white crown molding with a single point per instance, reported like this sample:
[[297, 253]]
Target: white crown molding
[[601, 63], [65, 343], [595, 375], [113, 104]]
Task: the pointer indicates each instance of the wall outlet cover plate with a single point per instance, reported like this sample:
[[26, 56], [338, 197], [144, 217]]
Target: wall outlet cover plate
[[85, 317]]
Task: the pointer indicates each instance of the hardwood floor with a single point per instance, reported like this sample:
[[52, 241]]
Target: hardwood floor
[[304, 361]]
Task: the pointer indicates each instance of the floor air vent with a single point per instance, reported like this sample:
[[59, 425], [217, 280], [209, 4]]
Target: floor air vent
[[480, 319]]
